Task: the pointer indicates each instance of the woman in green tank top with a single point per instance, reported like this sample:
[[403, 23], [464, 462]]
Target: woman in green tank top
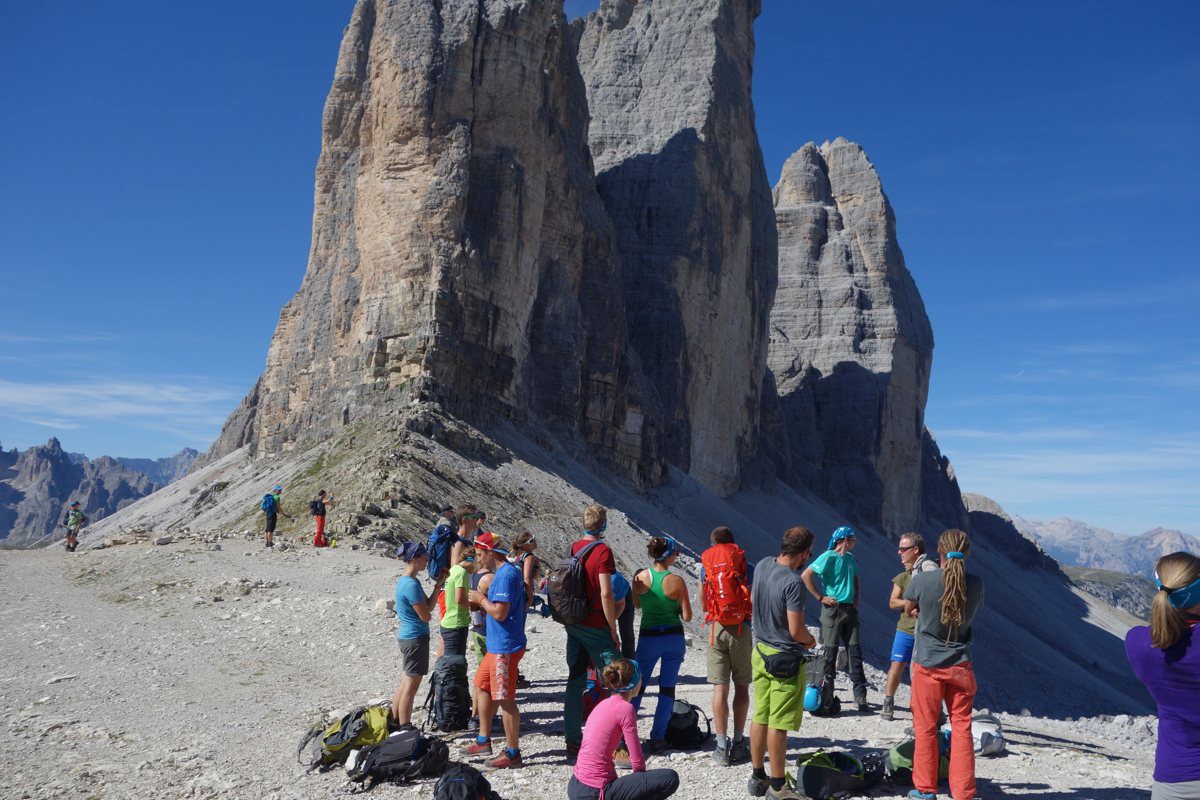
[[663, 598]]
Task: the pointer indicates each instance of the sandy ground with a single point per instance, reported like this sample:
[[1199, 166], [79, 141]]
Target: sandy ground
[[125, 677]]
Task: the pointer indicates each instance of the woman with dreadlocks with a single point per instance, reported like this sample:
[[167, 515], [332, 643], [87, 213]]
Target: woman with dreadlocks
[[946, 601]]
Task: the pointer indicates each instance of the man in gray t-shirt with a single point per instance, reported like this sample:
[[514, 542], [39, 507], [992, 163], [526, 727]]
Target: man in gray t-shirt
[[776, 591], [938, 645]]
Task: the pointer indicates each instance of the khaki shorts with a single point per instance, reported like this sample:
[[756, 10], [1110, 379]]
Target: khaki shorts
[[778, 704], [729, 655]]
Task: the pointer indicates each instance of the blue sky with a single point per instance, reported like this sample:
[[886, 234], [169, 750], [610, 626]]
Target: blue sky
[[1041, 157]]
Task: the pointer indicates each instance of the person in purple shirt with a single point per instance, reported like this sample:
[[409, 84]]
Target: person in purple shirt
[[1166, 657]]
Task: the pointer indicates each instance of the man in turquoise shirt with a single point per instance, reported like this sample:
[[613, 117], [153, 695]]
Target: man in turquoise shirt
[[838, 597]]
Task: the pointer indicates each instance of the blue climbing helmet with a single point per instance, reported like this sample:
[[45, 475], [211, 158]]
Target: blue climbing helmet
[[844, 532]]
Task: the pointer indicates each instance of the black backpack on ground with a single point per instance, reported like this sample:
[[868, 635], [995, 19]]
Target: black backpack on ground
[[463, 782], [567, 587], [402, 757], [831, 704], [683, 729], [449, 698], [824, 775]]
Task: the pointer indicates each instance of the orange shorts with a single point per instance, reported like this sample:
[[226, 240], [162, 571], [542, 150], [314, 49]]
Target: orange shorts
[[497, 675]]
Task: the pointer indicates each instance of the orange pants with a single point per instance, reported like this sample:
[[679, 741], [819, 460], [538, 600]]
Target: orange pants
[[930, 687], [319, 540]]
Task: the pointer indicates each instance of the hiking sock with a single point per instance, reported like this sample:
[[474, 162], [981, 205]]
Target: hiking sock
[[760, 773], [512, 752], [482, 739], [722, 742], [737, 737], [777, 783]]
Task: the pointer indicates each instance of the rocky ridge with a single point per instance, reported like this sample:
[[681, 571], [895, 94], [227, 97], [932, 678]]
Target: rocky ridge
[[1078, 544]]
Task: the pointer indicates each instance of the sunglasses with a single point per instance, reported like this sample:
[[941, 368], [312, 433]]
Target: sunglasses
[[904, 549]]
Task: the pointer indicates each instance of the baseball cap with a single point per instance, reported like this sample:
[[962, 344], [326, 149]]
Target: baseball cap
[[490, 542]]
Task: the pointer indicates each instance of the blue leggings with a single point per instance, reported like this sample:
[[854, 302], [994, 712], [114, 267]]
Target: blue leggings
[[650, 650]]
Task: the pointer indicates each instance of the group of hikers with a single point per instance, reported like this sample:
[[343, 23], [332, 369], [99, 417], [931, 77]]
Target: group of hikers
[[272, 506], [758, 639]]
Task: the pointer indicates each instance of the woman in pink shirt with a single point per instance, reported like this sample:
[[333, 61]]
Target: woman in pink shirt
[[613, 719]]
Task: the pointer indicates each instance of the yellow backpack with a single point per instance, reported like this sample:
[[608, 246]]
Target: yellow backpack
[[328, 746]]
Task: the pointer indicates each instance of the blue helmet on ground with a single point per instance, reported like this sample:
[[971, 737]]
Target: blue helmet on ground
[[812, 698]]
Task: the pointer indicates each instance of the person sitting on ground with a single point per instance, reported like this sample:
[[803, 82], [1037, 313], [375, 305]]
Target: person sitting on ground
[[456, 619], [595, 639], [496, 679], [1166, 658], [780, 639], [946, 602], [839, 596], [614, 718], [73, 521], [725, 581], [481, 581], [413, 609], [665, 604], [318, 507], [911, 550]]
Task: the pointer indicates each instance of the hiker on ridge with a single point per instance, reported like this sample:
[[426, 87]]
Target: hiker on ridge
[[73, 521], [414, 610], [1166, 658], [614, 718], [317, 508], [496, 679], [665, 604], [947, 600], [594, 639], [911, 550], [839, 597], [725, 580], [780, 638]]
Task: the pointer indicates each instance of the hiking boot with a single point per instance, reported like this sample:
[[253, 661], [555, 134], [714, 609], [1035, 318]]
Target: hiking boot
[[653, 747], [786, 793], [621, 758], [862, 704], [739, 750], [478, 748], [473, 725], [758, 786], [721, 755], [506, 761], [523, 682], [889, 709], [917, 794], [572, 752]]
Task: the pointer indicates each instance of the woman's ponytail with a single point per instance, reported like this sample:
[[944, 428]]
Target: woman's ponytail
[[1174, 572]]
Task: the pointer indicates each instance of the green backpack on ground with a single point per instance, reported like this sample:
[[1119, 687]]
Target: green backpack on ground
[[323, 747], [900, 761], [822, 775]]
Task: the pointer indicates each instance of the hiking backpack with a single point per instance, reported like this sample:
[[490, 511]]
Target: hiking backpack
[[449, 698], [314, 508], [268, 503], [402, 757], [986, 733], [463, 782], [726, 597], [330, 745], [900, 761], [831, 776], [820, 699], [567, 588], [441, 540], [683, 729]]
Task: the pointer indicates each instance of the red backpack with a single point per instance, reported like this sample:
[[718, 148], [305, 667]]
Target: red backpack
[[726, 596]]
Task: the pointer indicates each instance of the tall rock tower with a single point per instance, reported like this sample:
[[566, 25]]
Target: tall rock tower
[[850, 346], [460, 251], [681, 173]]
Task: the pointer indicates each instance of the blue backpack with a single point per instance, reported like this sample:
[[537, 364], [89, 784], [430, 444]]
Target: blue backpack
[[441, 539], [268, 503]]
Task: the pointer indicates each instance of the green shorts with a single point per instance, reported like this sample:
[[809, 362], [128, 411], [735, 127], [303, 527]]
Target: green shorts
[[778, 704]]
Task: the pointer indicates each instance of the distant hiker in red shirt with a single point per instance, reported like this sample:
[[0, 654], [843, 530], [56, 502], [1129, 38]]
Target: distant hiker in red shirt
[[317, 508]]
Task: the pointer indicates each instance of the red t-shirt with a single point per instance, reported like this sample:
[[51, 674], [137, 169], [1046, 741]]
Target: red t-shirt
[[599, 559]]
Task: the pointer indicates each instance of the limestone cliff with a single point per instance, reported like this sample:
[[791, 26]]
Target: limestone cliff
[[850, 345], [679, 167], [460, 251]]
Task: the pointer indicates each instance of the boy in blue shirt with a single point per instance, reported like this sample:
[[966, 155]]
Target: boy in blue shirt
[[839, 597], [413, 609]]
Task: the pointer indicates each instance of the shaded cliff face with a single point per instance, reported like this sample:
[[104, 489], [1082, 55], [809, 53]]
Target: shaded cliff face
[[850, 344], [679, 168], [37, 484], [460, 252]]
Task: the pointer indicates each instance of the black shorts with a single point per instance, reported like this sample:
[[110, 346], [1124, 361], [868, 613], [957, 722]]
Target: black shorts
[[271, 520]]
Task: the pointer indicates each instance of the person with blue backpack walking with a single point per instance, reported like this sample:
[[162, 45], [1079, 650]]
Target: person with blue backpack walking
[[271, 507]]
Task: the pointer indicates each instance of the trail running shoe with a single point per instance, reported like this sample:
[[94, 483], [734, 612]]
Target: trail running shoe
[[786, 793], [721, 755], [758, 786], [739, 751], [478, 748], [888, 713], [506, 761], [652, 747], [917, 794]]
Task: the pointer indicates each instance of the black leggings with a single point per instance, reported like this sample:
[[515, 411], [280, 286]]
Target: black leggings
[[625, 629], [653, 784]]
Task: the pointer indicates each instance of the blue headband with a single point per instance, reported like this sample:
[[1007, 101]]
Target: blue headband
[[634, 680], [672, 546], [955, 554], [844, 532], [1183, 597], [598, 532]]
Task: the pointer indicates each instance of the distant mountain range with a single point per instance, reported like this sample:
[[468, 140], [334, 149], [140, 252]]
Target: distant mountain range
[[1076, 544], [36, 486]]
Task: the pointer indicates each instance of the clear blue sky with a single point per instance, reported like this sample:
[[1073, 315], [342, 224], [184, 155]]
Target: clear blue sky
[[157, 160]]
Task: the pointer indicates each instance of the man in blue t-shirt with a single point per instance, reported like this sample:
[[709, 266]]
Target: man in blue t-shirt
[[496, 679], [838, 596]]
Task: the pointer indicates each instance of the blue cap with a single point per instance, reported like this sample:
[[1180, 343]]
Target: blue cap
[[276, 488], [844, 532]]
